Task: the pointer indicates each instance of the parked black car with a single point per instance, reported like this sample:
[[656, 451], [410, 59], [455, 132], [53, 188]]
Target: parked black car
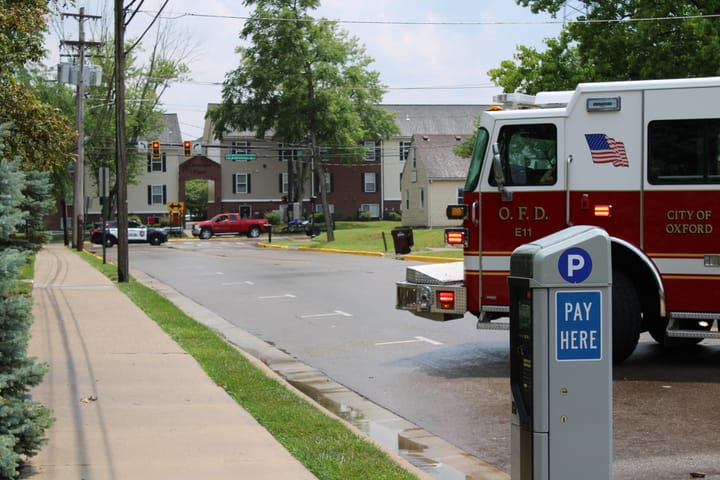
[[137, 233]]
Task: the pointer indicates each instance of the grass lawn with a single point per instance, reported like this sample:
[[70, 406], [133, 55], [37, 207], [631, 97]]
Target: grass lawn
[[374, 236]]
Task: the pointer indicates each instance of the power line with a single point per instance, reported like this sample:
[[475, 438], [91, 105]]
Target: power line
[[443, 23]]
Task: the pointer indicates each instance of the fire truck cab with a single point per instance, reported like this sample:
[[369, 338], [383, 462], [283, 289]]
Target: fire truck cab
[[639, 159]]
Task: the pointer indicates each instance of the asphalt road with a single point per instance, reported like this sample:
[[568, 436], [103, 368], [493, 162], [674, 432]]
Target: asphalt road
[[336, 313]]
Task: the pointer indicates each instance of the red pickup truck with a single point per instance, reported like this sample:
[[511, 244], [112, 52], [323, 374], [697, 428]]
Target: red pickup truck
[[229, 224]]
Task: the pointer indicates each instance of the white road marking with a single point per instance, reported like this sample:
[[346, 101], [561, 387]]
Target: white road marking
[[415, 340], [332, 314], [287, 295], [230, 284]]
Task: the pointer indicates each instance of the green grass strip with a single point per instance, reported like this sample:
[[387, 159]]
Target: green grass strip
[[328, 448]]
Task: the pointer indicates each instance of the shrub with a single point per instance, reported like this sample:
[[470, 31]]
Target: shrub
[[273, 218], [365, 216], [394, 216]]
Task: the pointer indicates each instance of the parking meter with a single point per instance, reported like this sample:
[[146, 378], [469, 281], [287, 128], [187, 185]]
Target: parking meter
[[560, 356]]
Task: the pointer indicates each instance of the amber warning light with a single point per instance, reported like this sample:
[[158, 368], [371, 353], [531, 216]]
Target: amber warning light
[[456, 236], [446, 300], [456, 212]]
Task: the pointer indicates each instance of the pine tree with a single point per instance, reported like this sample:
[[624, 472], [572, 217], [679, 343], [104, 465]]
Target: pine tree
[[23, 421]]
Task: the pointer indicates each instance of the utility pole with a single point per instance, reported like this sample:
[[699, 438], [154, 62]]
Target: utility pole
[[79, 180], [123, 267]]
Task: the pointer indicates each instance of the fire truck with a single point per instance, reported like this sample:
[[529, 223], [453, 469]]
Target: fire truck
[[640, 159]]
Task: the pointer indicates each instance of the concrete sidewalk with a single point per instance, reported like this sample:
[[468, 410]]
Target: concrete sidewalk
[[129, 403]]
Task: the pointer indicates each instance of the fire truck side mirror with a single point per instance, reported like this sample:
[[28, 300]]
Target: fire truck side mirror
[[498, 172]]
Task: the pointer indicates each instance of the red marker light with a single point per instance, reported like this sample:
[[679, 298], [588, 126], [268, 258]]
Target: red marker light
[[603, 211], [455, 236], [446, 300]]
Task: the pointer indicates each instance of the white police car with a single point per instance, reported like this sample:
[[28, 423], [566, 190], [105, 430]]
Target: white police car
[[137, 233]]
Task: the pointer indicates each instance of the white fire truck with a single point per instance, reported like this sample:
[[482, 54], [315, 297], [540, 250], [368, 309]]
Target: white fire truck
[[639, 159]]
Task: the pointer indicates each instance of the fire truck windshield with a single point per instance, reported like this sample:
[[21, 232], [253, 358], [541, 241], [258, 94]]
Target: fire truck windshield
[[478, 153]]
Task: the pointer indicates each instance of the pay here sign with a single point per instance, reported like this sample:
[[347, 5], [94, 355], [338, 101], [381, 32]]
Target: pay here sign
[[578, 325]]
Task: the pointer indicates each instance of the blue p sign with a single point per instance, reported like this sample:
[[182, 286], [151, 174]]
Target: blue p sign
[[575, 265]]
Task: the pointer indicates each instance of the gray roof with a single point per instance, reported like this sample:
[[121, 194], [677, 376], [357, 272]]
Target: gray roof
[[412, 119], [436, 154], [437, 119], [170, 130]]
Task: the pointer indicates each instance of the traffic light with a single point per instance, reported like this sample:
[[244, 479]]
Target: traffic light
[[155, 148], [187, 149]]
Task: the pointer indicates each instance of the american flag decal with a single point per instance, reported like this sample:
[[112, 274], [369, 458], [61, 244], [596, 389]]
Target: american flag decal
[[604, 149]]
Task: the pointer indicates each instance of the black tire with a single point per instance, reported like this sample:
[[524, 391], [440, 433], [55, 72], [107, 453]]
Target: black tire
[[155, 240], [205, 233], [109, 241], [626, 320], [657, 330], [254, 232]]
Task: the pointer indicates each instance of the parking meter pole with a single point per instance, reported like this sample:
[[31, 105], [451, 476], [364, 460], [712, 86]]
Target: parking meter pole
[[561, 357]]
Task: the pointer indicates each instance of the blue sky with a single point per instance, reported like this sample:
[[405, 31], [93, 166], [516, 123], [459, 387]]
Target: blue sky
[[422, 61]]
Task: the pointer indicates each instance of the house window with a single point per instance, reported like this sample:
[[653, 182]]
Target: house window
[[156, 164], [404, 150], [373, 208], [407, 199], [422, 198], [328, 182], [283, 185], [460, 196], [319, 208], [369, 151], [369, 182], [240, 147], [241, 183], [157, 194]]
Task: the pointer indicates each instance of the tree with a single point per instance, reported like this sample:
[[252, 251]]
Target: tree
[[196, 197], [629, 40], [41, 135], [145, 82], [22, 421], [306, 82]]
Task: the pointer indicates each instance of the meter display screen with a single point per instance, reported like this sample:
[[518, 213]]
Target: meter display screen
[[521, 341]]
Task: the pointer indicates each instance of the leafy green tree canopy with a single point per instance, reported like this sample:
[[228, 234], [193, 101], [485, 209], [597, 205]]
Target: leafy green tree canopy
[[628, 40], [301, 76], [303, 80], [41, 134]]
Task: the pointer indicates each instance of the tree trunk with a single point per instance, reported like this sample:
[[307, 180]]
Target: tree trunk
[[323, 198]]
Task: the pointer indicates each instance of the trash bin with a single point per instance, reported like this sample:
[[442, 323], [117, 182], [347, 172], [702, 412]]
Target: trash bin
[[402, 239]]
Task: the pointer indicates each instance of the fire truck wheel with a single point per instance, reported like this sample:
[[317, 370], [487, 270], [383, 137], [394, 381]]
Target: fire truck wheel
[[625, 317]]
